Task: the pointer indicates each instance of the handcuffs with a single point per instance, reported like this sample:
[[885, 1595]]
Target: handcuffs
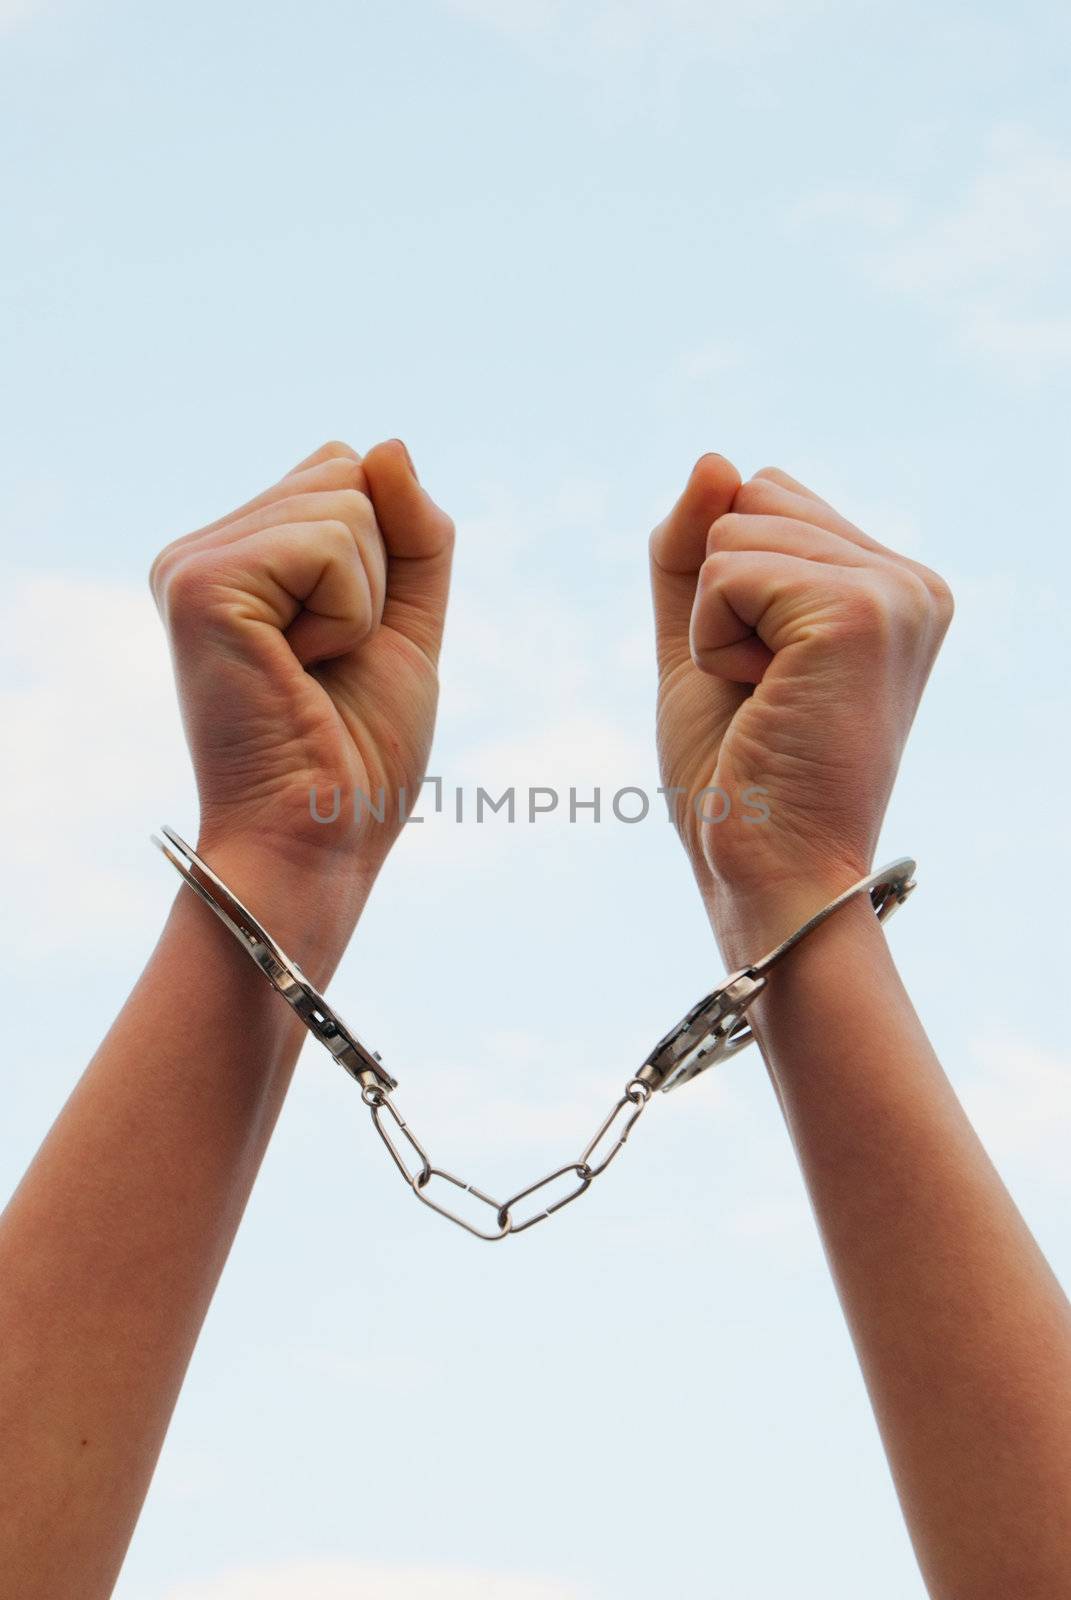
[[714, 1029]]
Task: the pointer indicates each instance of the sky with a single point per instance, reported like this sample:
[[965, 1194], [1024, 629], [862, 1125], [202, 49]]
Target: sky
[[561, 249]]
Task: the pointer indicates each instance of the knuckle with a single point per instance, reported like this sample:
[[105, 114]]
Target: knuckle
[[715, 569], [893, 604], [941, 596], [337, 448], [727, 532], [341, 472], [158, 571], [756, 495], [354, 508], [183, 590], [337, 536], [916, 599], [864, 611]]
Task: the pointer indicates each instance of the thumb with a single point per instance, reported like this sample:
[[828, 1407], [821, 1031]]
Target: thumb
[[419, 540], [678, 550]]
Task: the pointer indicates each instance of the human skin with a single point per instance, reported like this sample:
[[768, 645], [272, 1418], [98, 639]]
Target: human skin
[[111, 1248], [792, 653], [305, 630]]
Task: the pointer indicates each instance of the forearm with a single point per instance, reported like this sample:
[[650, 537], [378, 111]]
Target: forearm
[[963, 1334], [112, 1246]]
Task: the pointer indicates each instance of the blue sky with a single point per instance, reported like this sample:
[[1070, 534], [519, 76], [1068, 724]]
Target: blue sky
[[562, 249]]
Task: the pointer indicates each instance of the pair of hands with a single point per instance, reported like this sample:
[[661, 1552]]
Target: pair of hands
[[792, 652]]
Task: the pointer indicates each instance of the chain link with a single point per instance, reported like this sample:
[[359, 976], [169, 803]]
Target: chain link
[[613, 1131], [711, 1031]]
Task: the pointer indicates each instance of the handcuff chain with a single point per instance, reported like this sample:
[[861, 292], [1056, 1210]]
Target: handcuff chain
[[633, 1102], [716, 1027]]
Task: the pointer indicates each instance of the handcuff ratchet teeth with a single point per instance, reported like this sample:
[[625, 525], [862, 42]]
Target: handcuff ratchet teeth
[[714, 1029], [284, 975], [717, 1027]]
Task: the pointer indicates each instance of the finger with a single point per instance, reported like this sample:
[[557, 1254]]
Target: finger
[[739, 531], [333, 450], [774, 493], [332, 473], [751, 603], [334, 505], [678, 544], [306, 580], [419, 539], [785, 479], [678, 549], [721, 643], [770, 496]]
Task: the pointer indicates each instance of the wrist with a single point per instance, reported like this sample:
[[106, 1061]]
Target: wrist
[[844, 966], [309, 899], [748, 922]]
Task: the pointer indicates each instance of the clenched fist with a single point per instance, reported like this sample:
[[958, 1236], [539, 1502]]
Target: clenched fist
[[792, 653], [305, 631]]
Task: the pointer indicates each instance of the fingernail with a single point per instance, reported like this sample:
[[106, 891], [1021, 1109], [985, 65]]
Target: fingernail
[[408, 457]]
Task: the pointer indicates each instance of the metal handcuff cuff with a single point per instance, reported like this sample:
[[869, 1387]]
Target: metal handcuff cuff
[[712, 1030]]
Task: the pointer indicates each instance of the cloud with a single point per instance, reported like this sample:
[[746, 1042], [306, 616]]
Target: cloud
[[517, 606], [503, 1095], [95, 755], [628, 51], [781, 1217], [573, 751], [879, 213], [1013, 220], [12, 12], [619, 26], [993, 257], [1023, 343], [371, 1581], [97, 758], [710, 360], [1019, 1099], [547, 668]]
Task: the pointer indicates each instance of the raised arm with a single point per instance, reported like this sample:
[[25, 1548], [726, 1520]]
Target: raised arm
[[305, 629], [793, 650]]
